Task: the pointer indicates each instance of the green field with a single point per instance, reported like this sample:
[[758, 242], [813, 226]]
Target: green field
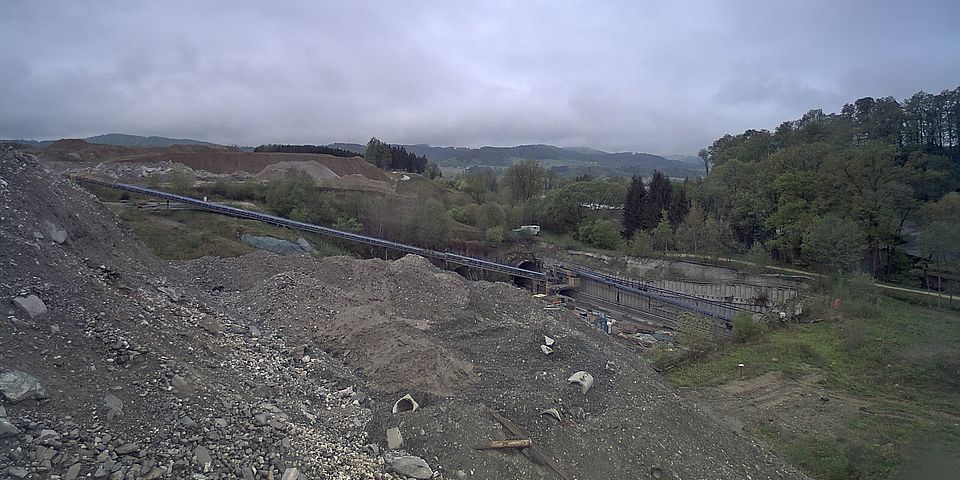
[[901, 359]]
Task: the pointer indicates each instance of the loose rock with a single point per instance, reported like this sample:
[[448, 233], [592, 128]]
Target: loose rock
[[411, 466], [8, 429], [56, 233], [394, 439], [31, 305]]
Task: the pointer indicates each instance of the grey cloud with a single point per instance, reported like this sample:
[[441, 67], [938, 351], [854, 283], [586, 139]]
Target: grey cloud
[[666, 77]]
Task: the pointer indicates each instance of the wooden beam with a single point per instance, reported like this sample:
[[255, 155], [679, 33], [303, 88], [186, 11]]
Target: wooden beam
[[497, 444], [533, 453]]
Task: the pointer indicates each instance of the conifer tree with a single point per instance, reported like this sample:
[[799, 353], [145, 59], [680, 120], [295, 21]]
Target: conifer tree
[[632, 218]]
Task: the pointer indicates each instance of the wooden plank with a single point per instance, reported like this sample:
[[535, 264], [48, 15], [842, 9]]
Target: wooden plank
[[533, 453], [497, 444]]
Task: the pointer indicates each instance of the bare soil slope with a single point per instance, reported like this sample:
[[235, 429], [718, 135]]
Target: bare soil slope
[[206, 158], [229, 162]]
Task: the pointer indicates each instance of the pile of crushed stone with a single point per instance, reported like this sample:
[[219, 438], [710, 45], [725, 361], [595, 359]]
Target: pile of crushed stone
[[289, 367], [459, 348], [128, 372]]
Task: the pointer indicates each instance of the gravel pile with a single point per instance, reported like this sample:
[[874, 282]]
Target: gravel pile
[[459, 347], [141, 375]]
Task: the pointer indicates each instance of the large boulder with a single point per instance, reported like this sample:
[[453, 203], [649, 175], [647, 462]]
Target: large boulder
[[17, 386], [276, 245], [31, 305], [56, 233], [8, 429]]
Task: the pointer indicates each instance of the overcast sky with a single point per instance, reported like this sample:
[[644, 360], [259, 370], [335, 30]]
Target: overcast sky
[[654, 76]]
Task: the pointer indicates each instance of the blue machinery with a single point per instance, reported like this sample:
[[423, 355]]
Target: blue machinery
[[700, 306]]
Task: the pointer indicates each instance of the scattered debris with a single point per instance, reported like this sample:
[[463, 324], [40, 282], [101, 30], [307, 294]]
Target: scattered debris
[[584, 379], [244, 403], [533, 453], [406, 403], [553, 412], [548, 341], [394, 439], [114, 406], [545, 349], [171, 293], [503, 444]]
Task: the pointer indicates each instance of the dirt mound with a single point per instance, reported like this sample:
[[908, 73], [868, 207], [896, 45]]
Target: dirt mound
[[73, 150], [217, 160], [315, 169], [230, 162], [81, 150], [459, 346]]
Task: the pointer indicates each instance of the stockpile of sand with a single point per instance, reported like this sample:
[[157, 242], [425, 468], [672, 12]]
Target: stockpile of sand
[[315, 169], [230, 162]]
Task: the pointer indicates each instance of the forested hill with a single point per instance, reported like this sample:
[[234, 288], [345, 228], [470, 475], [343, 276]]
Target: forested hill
[[854, 189], [141, 141], [578, 160]]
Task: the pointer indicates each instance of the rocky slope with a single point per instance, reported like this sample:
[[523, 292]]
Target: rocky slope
[[144, 377]]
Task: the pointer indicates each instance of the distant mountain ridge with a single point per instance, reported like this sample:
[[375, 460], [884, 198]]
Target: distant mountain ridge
[[123, 140], [564, 160], [578, 160]]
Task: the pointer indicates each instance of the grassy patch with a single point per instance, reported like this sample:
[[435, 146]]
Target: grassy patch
[[902, 358], [185, 234]]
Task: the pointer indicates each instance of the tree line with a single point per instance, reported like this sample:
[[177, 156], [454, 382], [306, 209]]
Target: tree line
[[841, 191], [395, 157], [320, 149]]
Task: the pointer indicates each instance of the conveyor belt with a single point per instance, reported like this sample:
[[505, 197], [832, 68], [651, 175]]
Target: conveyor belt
[[349, 236]]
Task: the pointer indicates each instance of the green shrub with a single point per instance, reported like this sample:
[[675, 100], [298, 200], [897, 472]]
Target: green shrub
[[348, 224], [854, 335], [495, 235], [758, 255], [859, 294], [459, 214], [181, 179], [641, 245], [695, 334], [603, 233], [746, 329], [860, 286]]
